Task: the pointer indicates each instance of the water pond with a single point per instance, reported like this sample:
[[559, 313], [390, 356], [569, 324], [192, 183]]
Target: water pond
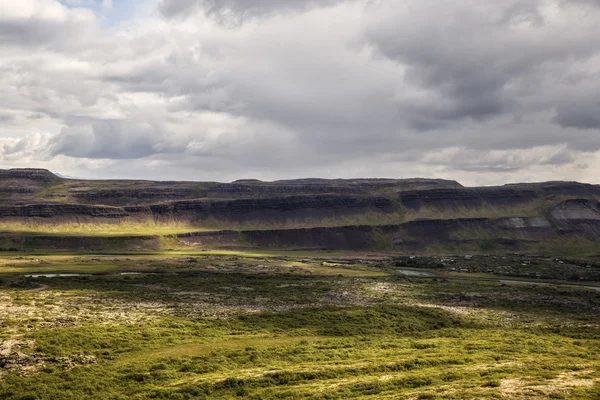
[[410, 272]]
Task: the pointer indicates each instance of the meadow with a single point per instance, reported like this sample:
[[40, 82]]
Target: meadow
[[227, 325]]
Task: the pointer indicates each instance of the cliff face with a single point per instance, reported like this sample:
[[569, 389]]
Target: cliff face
[[31, 193], [61, 211], [410, 236], [569, 189], [18, 185], [254, 188], [267, 209], [129, 193], [30, 174], [509, 234], [531, 213], [463, 197], [576, 210]]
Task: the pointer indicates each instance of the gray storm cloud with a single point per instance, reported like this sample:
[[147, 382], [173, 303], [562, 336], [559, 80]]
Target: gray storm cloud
[[237, 8], [480, 90]]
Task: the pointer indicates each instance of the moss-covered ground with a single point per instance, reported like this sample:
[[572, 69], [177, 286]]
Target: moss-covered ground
[[279, 326]]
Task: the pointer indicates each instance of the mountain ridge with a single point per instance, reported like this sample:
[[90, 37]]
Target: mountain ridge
[[395, 214]]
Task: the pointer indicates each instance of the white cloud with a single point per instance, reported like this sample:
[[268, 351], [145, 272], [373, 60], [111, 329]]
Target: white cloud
[[481, 92]]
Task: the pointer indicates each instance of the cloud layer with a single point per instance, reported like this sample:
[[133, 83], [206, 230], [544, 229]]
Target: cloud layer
[[482, 92]]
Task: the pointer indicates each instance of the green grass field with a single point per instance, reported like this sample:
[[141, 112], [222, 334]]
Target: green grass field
[[123, 228], [225, 325]]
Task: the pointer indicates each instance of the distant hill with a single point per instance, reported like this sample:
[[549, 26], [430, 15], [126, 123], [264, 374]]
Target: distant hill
[[391, 214]]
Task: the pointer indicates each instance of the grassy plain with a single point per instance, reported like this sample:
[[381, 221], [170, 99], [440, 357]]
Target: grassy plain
[[276, 326]]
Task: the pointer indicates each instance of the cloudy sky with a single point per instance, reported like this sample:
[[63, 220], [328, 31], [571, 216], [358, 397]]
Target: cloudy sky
[[484, 92]]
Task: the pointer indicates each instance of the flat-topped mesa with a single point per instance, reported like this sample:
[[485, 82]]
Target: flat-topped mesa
[[312, 199], [19, 185], [34, 174], [366, 182], [402, 214], [133, 193], [309, 186]]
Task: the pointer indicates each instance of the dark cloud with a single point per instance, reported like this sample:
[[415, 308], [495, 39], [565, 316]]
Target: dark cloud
[[560, 158], [475, 56], [107, 139], [580, 114], [178, 8], [23, 32], [238, 8]]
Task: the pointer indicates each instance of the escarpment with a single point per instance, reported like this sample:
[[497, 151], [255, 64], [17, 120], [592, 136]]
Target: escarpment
[[17, 185], [395, 214], [61, 211], [449, 198], [576, 210], [31, 174], [269, 209]]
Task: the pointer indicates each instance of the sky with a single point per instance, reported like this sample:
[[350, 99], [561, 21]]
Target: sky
[[483, 92]]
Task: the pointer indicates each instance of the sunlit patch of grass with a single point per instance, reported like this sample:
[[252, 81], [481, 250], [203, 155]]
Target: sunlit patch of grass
[[121, 228], [231, 344], [58, 268]]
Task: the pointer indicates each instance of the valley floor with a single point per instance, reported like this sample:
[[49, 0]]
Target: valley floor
[[225, 325]]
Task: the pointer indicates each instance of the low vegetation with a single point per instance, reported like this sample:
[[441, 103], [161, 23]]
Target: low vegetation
[[321, 326], [119, 228]]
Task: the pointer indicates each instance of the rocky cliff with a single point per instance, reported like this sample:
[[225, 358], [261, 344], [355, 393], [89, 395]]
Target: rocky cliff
[[449, 198], [364, 213], [61, 211], [266, 209]]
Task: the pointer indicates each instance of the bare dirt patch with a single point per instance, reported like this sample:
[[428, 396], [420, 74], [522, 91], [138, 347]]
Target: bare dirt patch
[[18, 356], [518, 388]]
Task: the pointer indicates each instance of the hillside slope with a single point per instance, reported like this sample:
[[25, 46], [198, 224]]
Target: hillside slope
[[384, 214]]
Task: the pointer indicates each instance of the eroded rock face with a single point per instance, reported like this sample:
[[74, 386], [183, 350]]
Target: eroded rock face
[[20, 184], [61, 211], [576, 209], [475, 197], [266, 209], [269, 209], [123, 193], [40, 175], [123, 196], [569, 189], [81, 243], [31, 195], [412, 235], [525, 223], [253, 188]]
